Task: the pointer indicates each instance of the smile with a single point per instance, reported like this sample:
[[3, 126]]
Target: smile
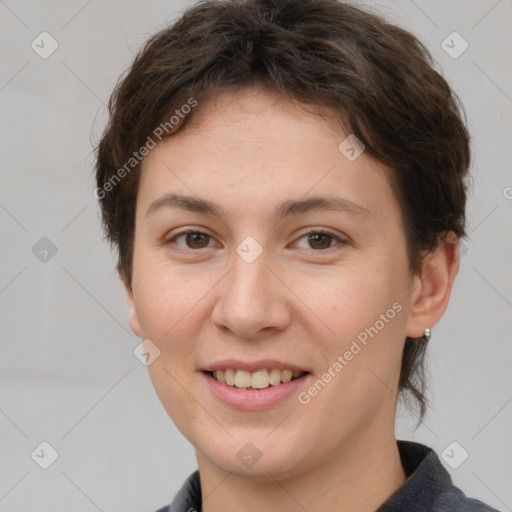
[[236, 392], [260, 379]]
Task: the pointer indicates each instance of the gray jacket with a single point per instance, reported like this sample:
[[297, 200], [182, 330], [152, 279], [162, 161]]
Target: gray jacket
[[428, 488]]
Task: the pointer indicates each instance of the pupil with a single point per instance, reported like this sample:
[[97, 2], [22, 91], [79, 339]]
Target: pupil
[[315, 239], [195, 238], [318, 238]]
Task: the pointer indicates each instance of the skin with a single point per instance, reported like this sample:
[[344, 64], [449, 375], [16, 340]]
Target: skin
[[298, 302]]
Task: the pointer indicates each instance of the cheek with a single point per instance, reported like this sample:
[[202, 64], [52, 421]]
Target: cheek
[[362, 355], [164, 295], [352, 299], [363, 315], [168, 305]]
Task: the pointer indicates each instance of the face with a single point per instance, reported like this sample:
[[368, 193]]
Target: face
[[274, 279]]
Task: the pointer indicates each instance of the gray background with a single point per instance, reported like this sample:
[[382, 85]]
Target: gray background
[[67, 369]]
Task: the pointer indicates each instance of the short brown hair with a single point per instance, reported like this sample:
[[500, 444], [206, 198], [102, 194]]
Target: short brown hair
[[377, 78]]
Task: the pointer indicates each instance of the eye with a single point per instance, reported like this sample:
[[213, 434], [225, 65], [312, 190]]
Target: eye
[[320, 240], [317, 240], [193, 239]]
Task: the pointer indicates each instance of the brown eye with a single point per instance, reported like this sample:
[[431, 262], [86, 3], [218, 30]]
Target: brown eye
[[196, 240], [193, 240], [320, 240]]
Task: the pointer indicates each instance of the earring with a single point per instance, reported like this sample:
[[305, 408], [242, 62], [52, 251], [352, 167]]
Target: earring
[[427, 334]]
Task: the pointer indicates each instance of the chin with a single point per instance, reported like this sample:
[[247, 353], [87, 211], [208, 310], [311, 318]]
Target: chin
[[260, 459]]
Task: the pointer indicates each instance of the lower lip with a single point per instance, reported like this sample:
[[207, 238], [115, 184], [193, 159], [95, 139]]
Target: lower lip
[[254, 399]]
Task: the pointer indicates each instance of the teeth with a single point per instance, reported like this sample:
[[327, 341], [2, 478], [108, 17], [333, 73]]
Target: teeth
[[229, 376], [275, 376], [242, 379], [260, 379], [286, 375]]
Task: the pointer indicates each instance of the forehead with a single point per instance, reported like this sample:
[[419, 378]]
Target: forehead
[[251, 147]]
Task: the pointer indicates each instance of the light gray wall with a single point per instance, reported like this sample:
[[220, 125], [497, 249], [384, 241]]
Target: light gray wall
[[68, 375]]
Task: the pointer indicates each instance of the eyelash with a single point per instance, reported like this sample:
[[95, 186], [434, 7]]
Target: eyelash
[[340, 241]]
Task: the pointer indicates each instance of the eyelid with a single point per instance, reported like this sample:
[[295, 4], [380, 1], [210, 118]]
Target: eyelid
[[342, 240], [201, 231]]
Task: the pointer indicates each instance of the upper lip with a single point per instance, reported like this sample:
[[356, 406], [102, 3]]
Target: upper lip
[[254, 366]]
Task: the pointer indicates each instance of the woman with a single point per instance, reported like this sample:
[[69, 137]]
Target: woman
[[284, 181]]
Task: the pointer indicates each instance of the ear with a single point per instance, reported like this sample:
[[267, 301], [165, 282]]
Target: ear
[[431, 289], [132, 312]]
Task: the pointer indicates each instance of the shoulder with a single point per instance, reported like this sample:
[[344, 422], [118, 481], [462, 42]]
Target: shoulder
[[188, 498], [429, 486], [454, 500]]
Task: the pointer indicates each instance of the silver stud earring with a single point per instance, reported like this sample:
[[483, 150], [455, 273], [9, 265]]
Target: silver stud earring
[[427, 334]]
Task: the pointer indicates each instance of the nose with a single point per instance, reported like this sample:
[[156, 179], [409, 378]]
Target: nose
[[253, 301]]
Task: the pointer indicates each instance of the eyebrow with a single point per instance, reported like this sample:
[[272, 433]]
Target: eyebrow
[[287, 208]]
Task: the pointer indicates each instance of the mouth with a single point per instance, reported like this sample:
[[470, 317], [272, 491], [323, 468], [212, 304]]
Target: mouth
[[254, 391], [258, 380]]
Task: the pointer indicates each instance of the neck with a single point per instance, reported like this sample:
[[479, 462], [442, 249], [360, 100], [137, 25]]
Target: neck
[[360, 476]]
